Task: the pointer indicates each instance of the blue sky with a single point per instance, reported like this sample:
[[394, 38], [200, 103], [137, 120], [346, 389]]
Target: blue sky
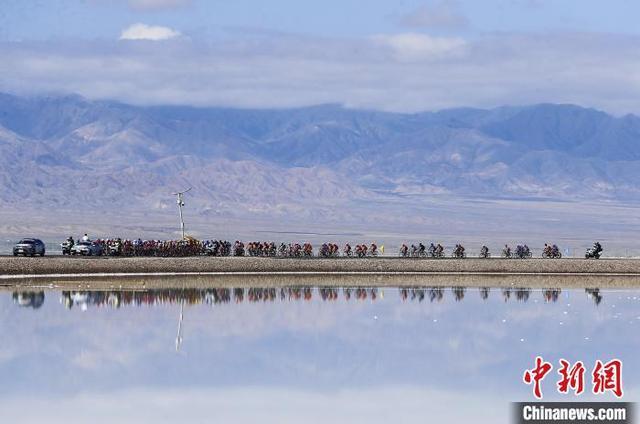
[[91, 19], [409, 56]]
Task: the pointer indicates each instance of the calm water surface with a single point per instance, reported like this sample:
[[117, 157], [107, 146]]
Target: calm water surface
[[450, 355]]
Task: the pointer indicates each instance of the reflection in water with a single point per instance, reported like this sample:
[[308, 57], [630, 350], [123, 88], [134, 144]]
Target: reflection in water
[[244, 350], [522, 295], [29, 299], [551, 295], [484, 293], [506, 294], [116, 299], [595, 295], [458, 293]]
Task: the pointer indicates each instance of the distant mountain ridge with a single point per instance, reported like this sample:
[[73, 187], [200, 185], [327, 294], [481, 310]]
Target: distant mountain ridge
[[57, 151]]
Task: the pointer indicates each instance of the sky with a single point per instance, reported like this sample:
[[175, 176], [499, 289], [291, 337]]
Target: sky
[[407, 55]]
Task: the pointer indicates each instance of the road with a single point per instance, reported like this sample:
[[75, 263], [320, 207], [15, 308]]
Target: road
[[208, 271]]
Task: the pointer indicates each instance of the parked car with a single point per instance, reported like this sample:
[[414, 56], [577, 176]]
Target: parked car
[[86, 248], [29, 247]]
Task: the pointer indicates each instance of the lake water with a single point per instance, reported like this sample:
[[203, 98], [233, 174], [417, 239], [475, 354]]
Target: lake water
[[297, 355]]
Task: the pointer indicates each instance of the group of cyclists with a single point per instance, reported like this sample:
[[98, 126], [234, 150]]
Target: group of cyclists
[[193, 247], [421, 251], [139, 247], [459, 252], [255, 248], [216, 248]]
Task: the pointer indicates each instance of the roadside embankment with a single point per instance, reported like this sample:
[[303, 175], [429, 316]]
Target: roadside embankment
[[230, 271], [141, 265]]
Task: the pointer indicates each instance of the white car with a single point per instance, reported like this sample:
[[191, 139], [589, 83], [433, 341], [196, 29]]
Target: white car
[[86, 248]]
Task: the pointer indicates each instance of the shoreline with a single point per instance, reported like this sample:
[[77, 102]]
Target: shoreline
[[147, 273], [60, 265]]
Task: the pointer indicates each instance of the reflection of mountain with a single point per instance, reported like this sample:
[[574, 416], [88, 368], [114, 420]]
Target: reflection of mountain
[[302, 161]]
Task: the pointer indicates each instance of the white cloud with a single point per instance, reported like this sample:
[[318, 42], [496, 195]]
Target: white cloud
[[402, 72], [412, 46], [148, 32]]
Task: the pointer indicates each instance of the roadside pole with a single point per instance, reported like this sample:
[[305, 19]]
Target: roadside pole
[[180, 201]]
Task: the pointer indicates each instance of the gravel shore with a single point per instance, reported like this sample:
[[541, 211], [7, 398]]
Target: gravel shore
[[231, 271]]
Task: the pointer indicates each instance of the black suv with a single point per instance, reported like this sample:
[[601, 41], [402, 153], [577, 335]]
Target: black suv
[[29, 247]]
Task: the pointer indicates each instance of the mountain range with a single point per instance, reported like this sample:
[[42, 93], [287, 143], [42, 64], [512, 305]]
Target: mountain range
[[312, 163]]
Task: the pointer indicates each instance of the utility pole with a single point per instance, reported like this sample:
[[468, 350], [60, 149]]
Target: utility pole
[[180, 195]]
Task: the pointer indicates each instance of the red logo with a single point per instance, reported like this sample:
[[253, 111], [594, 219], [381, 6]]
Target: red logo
[[571, 377], [608, 377], [536, 376], [605, 377]]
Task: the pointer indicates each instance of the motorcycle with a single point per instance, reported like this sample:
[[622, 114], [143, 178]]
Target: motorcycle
[[594, 252], [66, 247], [114, 249]]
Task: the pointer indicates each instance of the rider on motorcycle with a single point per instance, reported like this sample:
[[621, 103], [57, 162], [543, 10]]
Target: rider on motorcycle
[[67, 245], [595, 251]]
